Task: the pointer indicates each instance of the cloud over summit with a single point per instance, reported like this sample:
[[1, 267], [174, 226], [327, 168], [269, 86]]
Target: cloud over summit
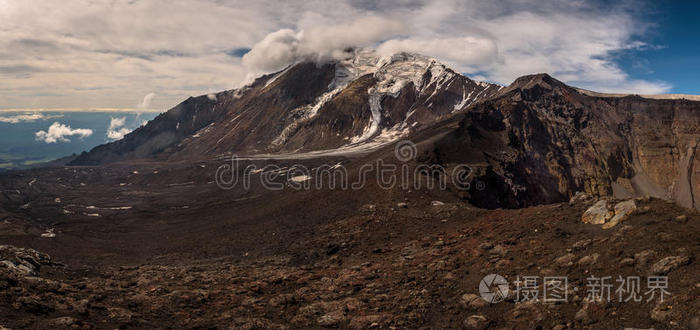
[[103, 54], [318, 43]]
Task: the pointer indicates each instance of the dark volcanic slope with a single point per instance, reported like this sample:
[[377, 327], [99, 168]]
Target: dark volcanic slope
[[304, 107], [540, 141], [536, 141]]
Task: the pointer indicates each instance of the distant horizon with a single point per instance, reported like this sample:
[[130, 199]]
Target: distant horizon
[[31, 137], [86, 109]]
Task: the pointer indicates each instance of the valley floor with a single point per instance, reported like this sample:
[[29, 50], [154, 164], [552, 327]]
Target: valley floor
[[382, 266]]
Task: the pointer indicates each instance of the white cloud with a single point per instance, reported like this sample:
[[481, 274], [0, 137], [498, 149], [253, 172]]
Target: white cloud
[[93, 54], [58, 132], [146, 102], [317, 43], [27, 117], [118, 134], [463, 52], [116, 130], [116, 122]]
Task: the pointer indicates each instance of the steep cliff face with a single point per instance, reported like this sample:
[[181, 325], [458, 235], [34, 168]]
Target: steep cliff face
[[360, 100], [540, 141]]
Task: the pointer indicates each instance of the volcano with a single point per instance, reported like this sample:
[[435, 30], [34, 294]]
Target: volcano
[[140, 232], [537, 141]]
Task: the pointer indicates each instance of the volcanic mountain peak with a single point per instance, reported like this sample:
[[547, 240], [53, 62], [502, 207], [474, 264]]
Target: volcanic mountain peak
[[420, 78], [360, 100], [394, 71], [539, 81]]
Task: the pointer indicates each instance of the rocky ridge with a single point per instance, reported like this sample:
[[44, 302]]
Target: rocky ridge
[[541, 141]]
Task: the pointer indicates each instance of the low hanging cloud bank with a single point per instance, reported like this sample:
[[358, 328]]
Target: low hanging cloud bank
[[27, 117], [58, 132]]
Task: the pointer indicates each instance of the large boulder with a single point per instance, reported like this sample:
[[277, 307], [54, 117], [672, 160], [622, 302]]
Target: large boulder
[[603, 213], [22, 261], [665, 265], [623, 210], [598, 214]]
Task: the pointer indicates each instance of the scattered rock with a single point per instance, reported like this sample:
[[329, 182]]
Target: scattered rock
[[486, 246], [665, 265], [584, 314], [623, 210], [547, 272], [22, 261], [476, 322], [579, 197], [498, 251], [580, 245], [369, 207], [367, 321], [246, 323], [589, 260], [437, 203], [49, 233], [331, 319], [472, 301], [643, 210], [626, 207], [528, 311], [566, 260], [682, 218], [583, 317], [597, 214], [282, 300], [62, 322], [626, 262], [661, 312], [402, 205], [643, 258]]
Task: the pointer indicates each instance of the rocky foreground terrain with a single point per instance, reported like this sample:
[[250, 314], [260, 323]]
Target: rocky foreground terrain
[[139, 233], [412, 259]]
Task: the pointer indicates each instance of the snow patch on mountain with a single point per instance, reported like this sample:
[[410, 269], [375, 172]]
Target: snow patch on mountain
[[393, 73]]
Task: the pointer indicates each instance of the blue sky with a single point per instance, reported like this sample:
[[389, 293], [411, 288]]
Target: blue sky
[[20, 144], [674, 55]]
